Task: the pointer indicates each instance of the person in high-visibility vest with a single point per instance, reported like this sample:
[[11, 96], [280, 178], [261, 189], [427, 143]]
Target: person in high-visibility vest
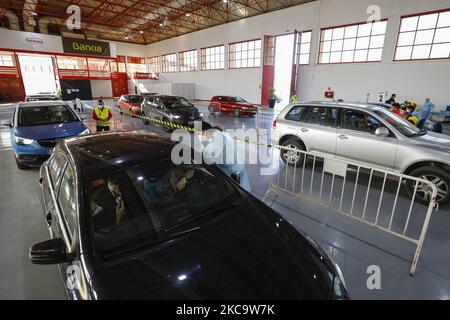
[[102, 115], [294, 98]]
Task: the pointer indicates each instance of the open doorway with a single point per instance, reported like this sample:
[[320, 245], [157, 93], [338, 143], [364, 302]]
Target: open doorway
[[38, 74], [284, 51]]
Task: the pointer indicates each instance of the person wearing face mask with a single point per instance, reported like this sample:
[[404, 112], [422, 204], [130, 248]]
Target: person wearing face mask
[[102, 115], [214, 137]]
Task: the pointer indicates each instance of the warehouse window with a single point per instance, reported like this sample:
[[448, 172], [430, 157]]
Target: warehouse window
[[188, 60], [169, 62], [425, 36], [305, 47], [7, 59], [136, 65], [154, 64], [72, 63], [245, 54], [213, 58], [362, 42]]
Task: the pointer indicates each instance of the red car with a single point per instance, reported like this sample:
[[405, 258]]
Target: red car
[[130, 104], [235, 105]]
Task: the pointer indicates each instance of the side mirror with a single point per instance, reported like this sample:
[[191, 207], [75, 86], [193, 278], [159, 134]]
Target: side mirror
[[6, 123], [382, 132], [83, 117], [236, 176], [49, 252]]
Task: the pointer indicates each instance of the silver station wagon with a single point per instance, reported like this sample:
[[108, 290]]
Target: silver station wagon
[[370, 134]]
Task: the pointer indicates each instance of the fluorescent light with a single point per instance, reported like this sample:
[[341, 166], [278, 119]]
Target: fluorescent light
[[188, 14], [141, 32], [34, 14], [160, 24]]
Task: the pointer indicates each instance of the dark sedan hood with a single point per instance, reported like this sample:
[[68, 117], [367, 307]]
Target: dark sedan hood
[[185, 113], [248, 252]]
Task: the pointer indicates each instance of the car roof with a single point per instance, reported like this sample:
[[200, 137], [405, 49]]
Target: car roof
[[40, 103], [118, 147], [353, 105]]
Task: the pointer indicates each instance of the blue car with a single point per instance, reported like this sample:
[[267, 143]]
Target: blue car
[[36, 127]]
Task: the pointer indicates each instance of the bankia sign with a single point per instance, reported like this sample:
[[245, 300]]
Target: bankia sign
[[86, 47]]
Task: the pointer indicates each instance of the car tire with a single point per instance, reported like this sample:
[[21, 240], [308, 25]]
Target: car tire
[[21, 166], [438, 176], [165, 127], [293, 158], [237, 113]]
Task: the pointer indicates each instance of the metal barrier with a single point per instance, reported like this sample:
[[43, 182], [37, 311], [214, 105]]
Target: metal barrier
[[349, 187], [265, 118]]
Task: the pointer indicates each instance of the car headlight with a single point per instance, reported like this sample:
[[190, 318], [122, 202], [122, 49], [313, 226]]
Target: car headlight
[[201, 115], [23, 141], [175, 116], [87, 131]]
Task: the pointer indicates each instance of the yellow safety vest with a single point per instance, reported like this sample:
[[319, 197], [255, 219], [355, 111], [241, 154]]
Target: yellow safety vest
[[414, 120], [103, 115]]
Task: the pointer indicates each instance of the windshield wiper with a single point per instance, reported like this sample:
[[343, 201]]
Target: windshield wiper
[[202, 213]]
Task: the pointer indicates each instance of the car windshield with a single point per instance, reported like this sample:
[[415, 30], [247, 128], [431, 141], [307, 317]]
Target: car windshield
[[237, 99], [175, 102], [403, 126], [135, 99], [41, 115], [150, 202]]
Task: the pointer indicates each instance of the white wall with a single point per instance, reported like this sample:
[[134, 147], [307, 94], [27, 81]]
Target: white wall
[[411, 80], [101, 88]]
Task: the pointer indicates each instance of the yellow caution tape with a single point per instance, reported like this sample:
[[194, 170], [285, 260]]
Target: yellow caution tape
[[166, 123]]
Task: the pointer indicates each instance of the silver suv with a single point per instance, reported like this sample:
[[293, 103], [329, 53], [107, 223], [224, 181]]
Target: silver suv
[[370, 134]]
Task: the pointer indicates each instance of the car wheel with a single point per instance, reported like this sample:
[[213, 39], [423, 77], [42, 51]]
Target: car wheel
[[21, 166], [434, 174], [293, 157], [237, 113], [166, 128]]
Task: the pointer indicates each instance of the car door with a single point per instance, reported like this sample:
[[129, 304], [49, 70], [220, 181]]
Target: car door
[[148, 107], [318, 129], [356, 140], [291, 122], [49, 183], [159, 109], [66, 228]]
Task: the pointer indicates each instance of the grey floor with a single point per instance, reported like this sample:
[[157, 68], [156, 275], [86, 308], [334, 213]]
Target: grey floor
[[354, 246]]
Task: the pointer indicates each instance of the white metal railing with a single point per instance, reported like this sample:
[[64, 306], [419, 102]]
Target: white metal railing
[[348, 187], [265, 118]]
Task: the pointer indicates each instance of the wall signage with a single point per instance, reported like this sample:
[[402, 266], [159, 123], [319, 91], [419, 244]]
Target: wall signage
[[86, 47]]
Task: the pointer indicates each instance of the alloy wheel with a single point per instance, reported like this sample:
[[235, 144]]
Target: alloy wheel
[[424, 191]]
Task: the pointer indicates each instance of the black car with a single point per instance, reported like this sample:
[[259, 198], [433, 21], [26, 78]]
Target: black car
[[171, 109], [126, 223]]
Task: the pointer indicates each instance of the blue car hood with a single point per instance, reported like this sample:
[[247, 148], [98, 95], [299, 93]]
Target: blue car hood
[[50, 131]]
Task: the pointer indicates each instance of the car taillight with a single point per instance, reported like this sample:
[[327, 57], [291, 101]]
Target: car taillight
[[274, 126]]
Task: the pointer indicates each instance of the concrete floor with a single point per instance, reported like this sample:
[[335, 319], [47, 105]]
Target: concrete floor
[[351, 244]]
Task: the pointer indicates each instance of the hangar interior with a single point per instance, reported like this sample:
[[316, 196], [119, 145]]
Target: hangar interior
[[335, 53]]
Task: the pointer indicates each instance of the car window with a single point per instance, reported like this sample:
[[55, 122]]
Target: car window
[[237, 99], [148, 202], [66, 199], [175, 102], [42, 115], [360, 121], [295, 113], [400, 124], [56, 166], [157, 102], [323, 116]]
